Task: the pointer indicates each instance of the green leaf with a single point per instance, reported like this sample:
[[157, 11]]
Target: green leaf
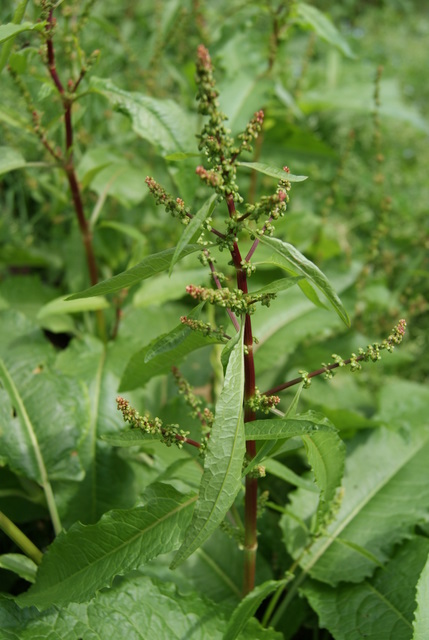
[[21, 565], [274, 172], [129, 438], [192, 228], [61, 306], [137, 607], [276, 468], [421, 616], [394, 475], [295, 262], [87, 558], [161, 122], [161, 354], [180, 155], [125, 229], [309, 16], [325, 452], [10, 30], [162, 288], [279, 285], [10, 159], [7, 47], [148, 267], [378, 609], [249, 605], [278, 428], [221, 480]]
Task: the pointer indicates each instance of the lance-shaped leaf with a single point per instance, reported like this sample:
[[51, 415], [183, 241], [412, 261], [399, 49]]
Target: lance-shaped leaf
[[192, 227], [19, 564], [379, 608], [280, 428], [221, 480], [148, 267], [274, 172], [162, 353], [309, 16], [137, 607], [248, 606], [295, 262], [87, 558], [366, 527], [161, 122]]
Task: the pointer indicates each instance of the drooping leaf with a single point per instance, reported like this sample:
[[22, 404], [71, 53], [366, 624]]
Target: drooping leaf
[[87, 558], [380, 608], [221, 480], [421, 615], [148, 267], [137, 607], [309, 16], [192, 228], [248, 606], [162, 122], [295, 262], [365, 518], [274, 172], [23, 566]]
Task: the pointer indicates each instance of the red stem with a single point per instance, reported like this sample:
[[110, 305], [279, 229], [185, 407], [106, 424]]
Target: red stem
[[251, 494]]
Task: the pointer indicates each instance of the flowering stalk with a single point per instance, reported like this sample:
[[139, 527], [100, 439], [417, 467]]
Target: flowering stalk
[[371, 353]]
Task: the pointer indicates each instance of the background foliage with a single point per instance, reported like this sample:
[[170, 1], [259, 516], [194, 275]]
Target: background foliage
[[345, 104]]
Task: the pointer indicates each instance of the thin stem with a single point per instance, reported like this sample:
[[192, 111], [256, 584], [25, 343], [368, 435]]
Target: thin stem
[[68, 165], [313, 374], [20, 539], [256, 241]]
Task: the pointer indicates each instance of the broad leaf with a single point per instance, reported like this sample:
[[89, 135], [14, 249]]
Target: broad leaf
[[309, 16], [248, 606], [279, 470], [161, 122], [87, 558], [274, 172], [192, 227], [10, 159], [377, 609], [148, 267], [221, 480], [295, 262], [421, 616], [137, 607], [365, 520]]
